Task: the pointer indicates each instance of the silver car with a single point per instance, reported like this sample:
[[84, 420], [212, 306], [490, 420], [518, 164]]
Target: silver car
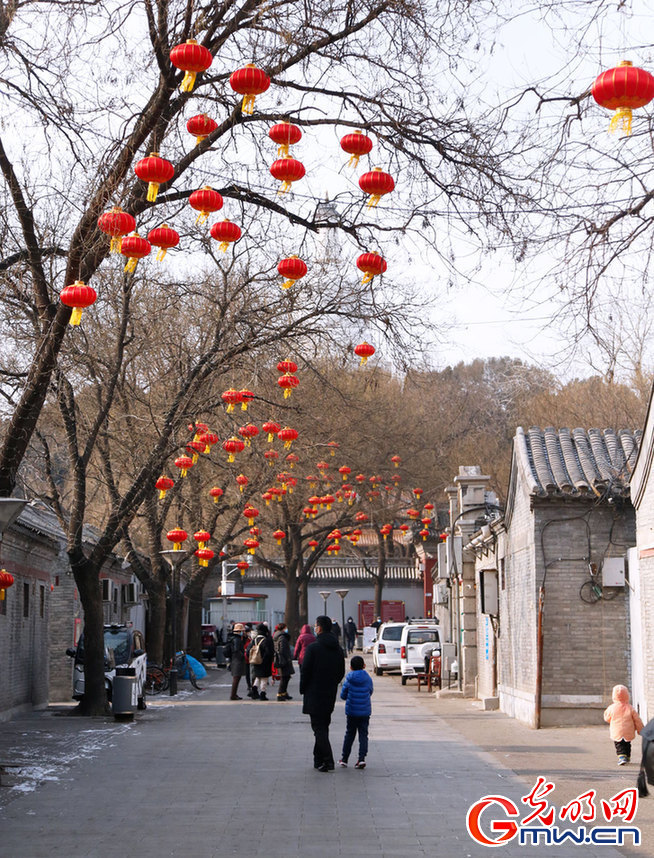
[[386, 648]]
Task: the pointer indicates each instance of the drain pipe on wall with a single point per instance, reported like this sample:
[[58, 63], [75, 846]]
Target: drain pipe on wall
[[539, 657]]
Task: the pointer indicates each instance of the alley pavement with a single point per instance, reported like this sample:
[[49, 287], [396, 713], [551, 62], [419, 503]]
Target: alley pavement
[[200, 775]]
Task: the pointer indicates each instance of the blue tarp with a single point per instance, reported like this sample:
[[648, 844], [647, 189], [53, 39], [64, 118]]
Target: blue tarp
[[196, 666]]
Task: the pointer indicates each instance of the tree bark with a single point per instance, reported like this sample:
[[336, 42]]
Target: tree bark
[[193, 592], [154, 639], [304, 606], [94, 701], [291, 615]]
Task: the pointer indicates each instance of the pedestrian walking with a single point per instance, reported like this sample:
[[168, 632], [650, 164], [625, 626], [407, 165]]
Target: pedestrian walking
[[323, 667], [260, 654], [350, 635], [625, 723], [283, 660], [234, 652], [305, 638], [336, 629], [356, 691], [377, 624]]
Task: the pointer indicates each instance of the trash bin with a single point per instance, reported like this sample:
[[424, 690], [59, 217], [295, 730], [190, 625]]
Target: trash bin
[[123, 695], [220, 658]]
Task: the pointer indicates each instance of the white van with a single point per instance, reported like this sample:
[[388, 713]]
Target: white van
[[386, 648], [420, 640]]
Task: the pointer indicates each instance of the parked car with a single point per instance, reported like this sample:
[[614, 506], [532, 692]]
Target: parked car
[[123, 647], [208, 640], [386, 648], [420, 640]]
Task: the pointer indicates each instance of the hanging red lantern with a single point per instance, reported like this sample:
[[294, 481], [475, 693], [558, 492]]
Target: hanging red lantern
[[323, 467], [198, 429], [334, 548], [164, 238], [155, 171], [356, 145], [287, 170], [250, 512], [134, 248], [333, 447], [249, 82], [242, 567], [6, 581], [206, 201], [361, 516], [287, 435], [418, 493], [194, 448], [376, 183], [78, 296], [246, 398], [177, 536], [385, 530], [286, 366], [204, 555], [279, 535], [371, 264], [184, 463], [360, 478], [396, 478], [284, 134], [404, 528], [364, 350], [313, 544], [267, 497], [413, 514], [251, 544], [202, 537], [328, 500], [226, 233], [116, 223], [336, 535], [216, 493], [288, 383], [208, 439], [248, 431], [396, 460], [293, 269], [345, 471], [201, 126], [426, 521], [271, 455], [192, 59], [164, 484], [232, 397], [271, 428], [242, 481], [254, 531], [233, 445], [623, 89], [429, 507], [292, 459], [424, 533]]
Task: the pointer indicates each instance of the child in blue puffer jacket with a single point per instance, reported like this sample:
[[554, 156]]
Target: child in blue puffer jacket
[[356, 691]]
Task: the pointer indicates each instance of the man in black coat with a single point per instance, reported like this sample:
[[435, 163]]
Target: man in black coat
[[323, 668]]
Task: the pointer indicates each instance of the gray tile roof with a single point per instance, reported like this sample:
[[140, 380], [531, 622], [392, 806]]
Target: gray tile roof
[[398, 571], [577, 462]]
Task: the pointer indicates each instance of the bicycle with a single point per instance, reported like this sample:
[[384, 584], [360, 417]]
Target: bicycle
[[157, 677], [592, 591]]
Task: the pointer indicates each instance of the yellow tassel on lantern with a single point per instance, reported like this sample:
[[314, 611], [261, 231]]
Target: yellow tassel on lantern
[[153, 190], [367, 278], [132, 262], [282, 150], [2, 595], [160, 256], [195, 457], [187, 84], [244, 405], [76, 316], [284, 188], [223, 246], [288, 283], [247, 105], [231, 458], [184, 472], [287, 393], [374, 199], [230, 408], [241, 489], [115, 244], [354, 161], [621, 120]]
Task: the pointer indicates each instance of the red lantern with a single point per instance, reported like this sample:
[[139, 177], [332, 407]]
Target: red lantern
[[205, 200], [286, 366], [328, 500], [361, 516], [323, 467], [249, 431], [249, 82], [251, 544], [385, 530], [429, 507], [271, 455], [267, 496], [78, 296], [424, 533], [293, 268], [204, 555], [334, 548], [242, 481], [418, 493], [232, 398], [194, 448], [333, 447], [623, 89], [246, 398], [271, 428], [202, 537], [288, 383], [208, 439], [201, 126], [345, 471], [192, 59], [413, 514], [287, 170], [134, 248], [396, 478], [287, 435], [242, 566], [164, 484], [376, 183], [404, 528], [177, 536], [364, 350], [313, 544], [184, 463], [233, 445], [164, 238], [396, 460], [116, 223], [371, 264], [6, 581], [250, 512], [360, 478], [356, 145], [226, 233], [254, 531], [279, 535], [285, 135], [155, 171], [216, 493]]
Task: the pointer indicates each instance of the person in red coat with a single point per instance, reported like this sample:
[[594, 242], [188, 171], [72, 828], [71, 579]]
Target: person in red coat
[[305, 638]]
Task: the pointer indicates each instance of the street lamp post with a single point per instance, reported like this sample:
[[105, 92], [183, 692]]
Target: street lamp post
[[174, 558], [342, 594], [325, 595]]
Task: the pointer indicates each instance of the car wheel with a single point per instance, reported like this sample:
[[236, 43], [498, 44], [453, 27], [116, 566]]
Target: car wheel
[[404, 679], [378, 671]]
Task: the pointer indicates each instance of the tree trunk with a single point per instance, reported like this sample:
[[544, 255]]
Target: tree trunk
[[87, 580], [291, 616], [154, 640], [193, 592], [381, 575], [304, 606]]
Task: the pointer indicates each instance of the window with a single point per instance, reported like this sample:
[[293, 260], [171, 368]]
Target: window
[[393, 633], [422, 637], [42, 601], [26, 600]]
